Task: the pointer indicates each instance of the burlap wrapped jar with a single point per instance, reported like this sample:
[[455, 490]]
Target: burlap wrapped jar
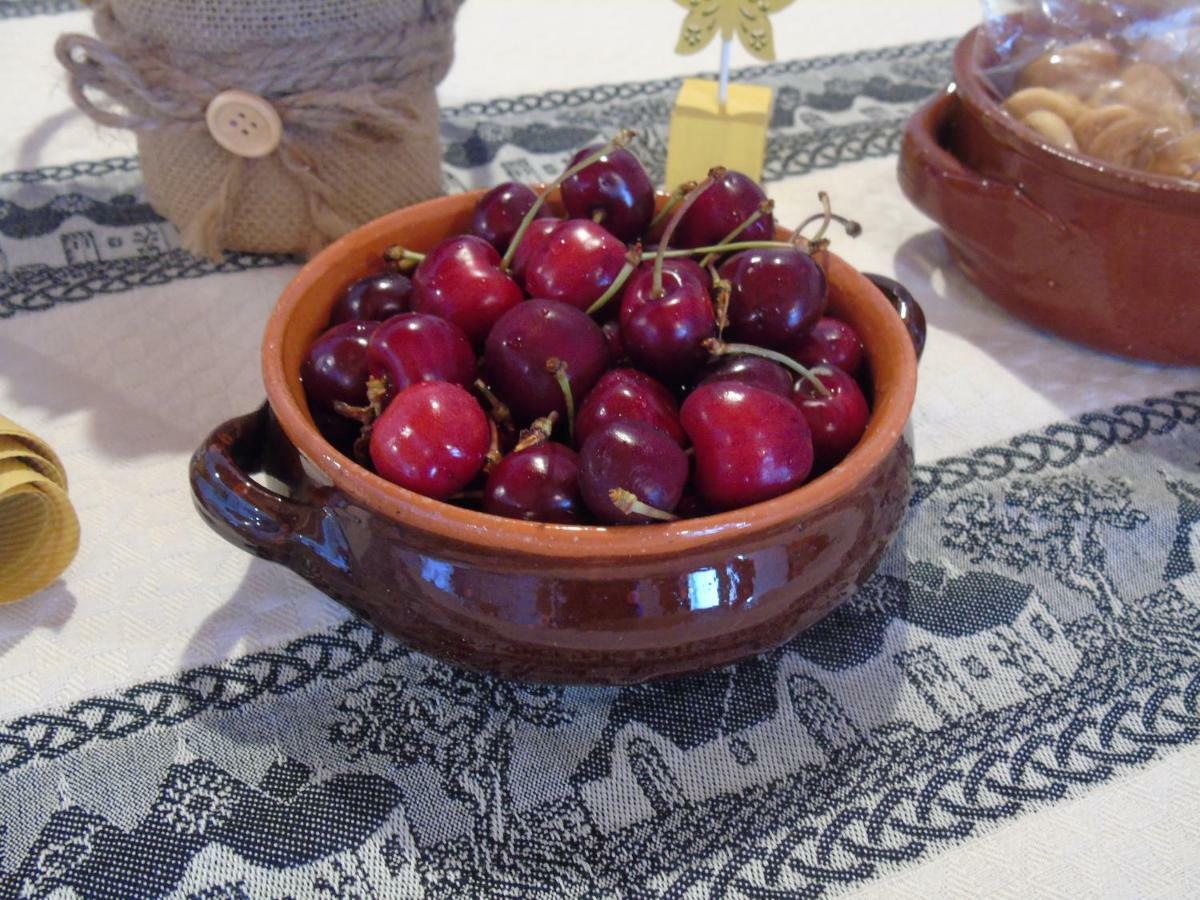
[[349, 83]]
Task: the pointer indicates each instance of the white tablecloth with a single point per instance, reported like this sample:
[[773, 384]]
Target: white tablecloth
[[126, 385]]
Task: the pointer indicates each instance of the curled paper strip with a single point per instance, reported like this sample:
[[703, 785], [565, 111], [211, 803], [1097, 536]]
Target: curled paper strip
[[39, 531]]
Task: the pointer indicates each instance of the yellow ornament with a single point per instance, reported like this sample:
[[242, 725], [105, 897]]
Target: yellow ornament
[[748, 19]]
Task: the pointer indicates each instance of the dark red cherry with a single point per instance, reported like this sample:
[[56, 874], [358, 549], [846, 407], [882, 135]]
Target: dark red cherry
[[575, 264], [624, 394], [750, 445], [754, 371], [461, 280], [665, 335], [336, 367], [724, 205], [414, 347], [537, 484], [615, 188], [432, 439], [635, 457], [375, 298], [775, 296], [837, 421], [616, 350], [499, 213], [529, 336], [535, 236], [831, 341]]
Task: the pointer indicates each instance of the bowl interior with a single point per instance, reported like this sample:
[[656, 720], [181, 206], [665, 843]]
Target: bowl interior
[[302, 313]]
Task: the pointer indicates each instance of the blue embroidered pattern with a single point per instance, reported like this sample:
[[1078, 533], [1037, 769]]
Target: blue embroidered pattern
[[1002, 658]]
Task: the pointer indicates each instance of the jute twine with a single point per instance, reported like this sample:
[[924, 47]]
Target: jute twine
[[352, 80]]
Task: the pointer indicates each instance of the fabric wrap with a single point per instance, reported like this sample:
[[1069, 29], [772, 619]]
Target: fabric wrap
[[353, 82]]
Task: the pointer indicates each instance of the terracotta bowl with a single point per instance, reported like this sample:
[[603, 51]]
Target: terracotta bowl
[[551, 602], [1095, 253]]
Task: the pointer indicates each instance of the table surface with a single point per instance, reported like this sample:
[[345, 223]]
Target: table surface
[[124, 380]]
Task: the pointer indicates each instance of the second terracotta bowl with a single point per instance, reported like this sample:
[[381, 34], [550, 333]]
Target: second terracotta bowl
[[1095, 253], [555, 603]]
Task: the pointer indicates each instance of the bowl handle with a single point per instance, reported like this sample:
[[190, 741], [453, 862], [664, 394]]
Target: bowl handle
[[305, 537], [906, 307], [948, 191]]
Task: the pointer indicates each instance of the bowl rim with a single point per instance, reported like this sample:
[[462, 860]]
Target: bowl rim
[[977, 93], [451, 523]]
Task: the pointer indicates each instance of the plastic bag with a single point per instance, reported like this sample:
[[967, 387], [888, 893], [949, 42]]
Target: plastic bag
[[1115, 80]]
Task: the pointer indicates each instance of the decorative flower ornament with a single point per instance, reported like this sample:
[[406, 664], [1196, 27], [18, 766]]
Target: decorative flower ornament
[[748, 19]]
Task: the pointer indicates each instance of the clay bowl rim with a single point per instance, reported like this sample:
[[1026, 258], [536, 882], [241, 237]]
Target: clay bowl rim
[[550, 541], [978, 95]]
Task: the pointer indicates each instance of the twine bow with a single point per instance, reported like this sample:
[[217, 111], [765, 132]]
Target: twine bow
[[149, 87]]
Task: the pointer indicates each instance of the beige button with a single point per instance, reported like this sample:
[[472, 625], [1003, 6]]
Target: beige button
[[244, 123]]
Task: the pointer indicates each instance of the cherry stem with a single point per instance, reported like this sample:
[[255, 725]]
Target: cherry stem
[[632, 260], [719, 348], [377, 391], [729, 248], [494, 454], [538, 432], [363, 415], [825, 216], [721, 305], [598, 216], [676, 195], [714, 174], [500, 412], [558, 368], [403, 258], [765, 209], [628, 503], [622, 138]]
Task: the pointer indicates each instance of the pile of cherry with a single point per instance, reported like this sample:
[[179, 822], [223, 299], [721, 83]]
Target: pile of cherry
[[617, 366]]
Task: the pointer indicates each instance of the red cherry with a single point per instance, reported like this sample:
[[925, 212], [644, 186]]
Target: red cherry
[[635, 457], [336, 368], [775, 296], [526, 339], [537, 484], [575, 264], [754, 371], [374, 298], [831, 341], [616, 187], [627, 394], [415, 347], [432, 439], [499, 212], [535, 236], [837, 421], [616, 350], [460, 280], [721, 208], [750, 445], [665, 335]]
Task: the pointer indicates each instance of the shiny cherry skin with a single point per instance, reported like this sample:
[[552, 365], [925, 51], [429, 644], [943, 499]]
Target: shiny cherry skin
[[775, 296], [413, 347], [750, 445], [537, 484], [524, 340], [615, 188], [722, 207], [830, 341], [535, 236], [461, 280], [636, 457], [627, 394], [335, 369], [640, 285], [499, 212], [374, 298], [665, 335], [432, 439], [754, 371], [837, 421], [575, 264]]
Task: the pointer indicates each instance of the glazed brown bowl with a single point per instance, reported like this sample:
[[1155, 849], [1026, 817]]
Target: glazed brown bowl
[[1098, 254], [539, 602]]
